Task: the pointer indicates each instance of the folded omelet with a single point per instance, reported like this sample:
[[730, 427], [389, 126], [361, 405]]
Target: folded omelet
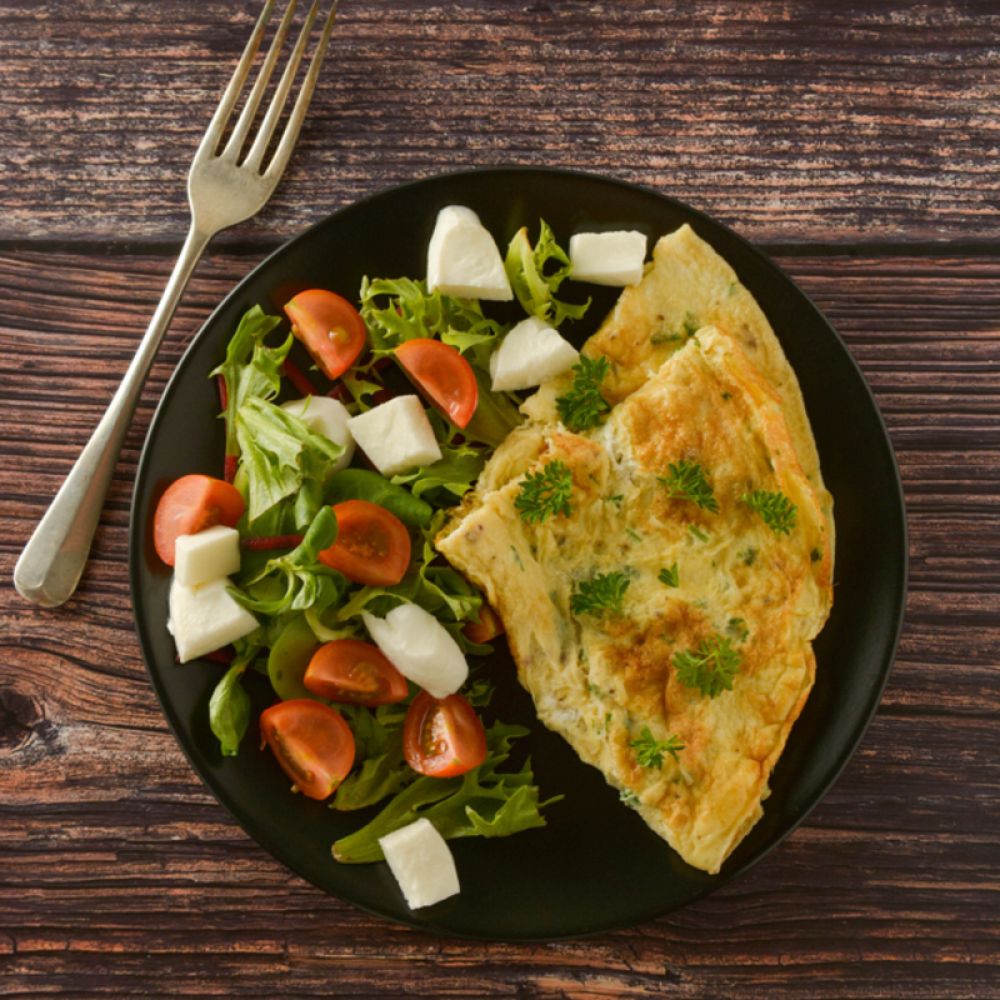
[[683, 683]]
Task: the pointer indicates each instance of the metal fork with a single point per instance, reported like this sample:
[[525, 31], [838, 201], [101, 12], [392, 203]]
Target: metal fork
[[224, 188]]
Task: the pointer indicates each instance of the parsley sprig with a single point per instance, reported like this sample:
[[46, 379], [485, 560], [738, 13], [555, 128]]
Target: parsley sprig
[[583, 406], [710, 667], [670, 576], [687, 481], [777, 511], [649, 751], [546, 493], [601, 593]]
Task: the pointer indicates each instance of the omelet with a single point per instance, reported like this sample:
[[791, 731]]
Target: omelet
[[661, 614]]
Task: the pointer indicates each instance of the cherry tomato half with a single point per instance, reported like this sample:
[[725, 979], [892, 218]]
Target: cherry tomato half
[[487, 626], [354, 671], [372, 546], [191, 504], [442, 375], [312, 743], [330, 328], [443, 737]]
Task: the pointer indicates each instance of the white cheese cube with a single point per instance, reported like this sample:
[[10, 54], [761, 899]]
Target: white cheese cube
[[532, 352], [205, 617], [463, 258], [396, 435], [614, 258], [419, 857], [326, 416], [420, 648], [206, 555]]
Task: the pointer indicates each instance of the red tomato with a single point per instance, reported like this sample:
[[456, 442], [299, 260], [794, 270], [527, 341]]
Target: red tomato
[[372, 546], [443, 737], [312, 743], [331, 329], [191, 504], [354, 671], [487, 627], [442, 375]]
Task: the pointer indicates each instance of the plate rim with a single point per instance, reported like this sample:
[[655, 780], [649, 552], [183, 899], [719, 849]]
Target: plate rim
[[412, 918]]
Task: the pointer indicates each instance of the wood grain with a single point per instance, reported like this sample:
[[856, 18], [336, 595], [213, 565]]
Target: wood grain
[[842, 121], [120, 876]]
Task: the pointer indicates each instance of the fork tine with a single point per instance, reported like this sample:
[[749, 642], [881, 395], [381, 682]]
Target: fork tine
[[267, 127], [236, 140], [214, 131], [288, 139]]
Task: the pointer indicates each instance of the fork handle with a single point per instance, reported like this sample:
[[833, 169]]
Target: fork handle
[[52, 562]]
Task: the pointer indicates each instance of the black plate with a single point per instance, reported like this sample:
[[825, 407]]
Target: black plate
[[595, 866]]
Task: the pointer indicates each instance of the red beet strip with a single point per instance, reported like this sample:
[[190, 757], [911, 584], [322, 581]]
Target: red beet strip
[[229, 467], [298, 378], [225, 655], [271, 542]]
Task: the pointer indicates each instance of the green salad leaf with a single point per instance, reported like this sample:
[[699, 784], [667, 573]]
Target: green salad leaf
[[483, 802], [363, 484], [535, 289], [251, 368]]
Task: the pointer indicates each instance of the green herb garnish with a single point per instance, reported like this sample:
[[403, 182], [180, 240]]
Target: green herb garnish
[[603, 592], [777, 511], [629, 798], [669, 576], [583, 406], [710, 667], [546, 493], [649, 751], [687, 481]]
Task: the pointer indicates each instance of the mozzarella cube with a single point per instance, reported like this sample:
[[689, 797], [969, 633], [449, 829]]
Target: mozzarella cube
[[419, 858], [326, 416], [532, 352], [206, 555], [463, 258], [396, 435], [205, 618], [420, 648], [614, 258]]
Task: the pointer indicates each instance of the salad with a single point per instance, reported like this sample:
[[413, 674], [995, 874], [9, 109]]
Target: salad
[[310, 558]]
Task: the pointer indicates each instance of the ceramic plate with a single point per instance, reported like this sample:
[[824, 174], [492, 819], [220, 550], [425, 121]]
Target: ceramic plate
[[595, 866]]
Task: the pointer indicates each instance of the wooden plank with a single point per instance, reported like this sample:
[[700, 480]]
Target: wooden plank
[[119, 875], [830, 120]]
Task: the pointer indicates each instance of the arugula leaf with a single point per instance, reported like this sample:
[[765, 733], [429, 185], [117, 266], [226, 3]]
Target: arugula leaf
[[546, 493], [526, 268], [649, 751], [250, 369], [296, 580], [687, 481], [363, 484], [777, 511], [601, 593], [483, 802], [710, 667], [280, 457], [583, 406]]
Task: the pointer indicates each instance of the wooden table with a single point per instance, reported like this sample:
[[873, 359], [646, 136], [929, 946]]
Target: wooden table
[[855, 142]]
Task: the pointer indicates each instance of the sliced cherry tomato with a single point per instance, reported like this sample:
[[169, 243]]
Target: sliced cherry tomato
[[330, 328], [443, 737], [372, 546], [487, 627], [442, 375], [191, 504], [312, 743], [354, 671]]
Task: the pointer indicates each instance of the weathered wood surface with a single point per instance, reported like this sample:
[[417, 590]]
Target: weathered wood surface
[[119, 875], [841, 120]]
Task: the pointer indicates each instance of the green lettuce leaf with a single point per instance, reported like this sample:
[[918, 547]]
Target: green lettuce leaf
[[535, 289], [251, 368], [362, 484]]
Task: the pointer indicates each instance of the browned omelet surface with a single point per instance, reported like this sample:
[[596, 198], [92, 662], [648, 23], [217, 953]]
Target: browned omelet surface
[[601, 679]]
